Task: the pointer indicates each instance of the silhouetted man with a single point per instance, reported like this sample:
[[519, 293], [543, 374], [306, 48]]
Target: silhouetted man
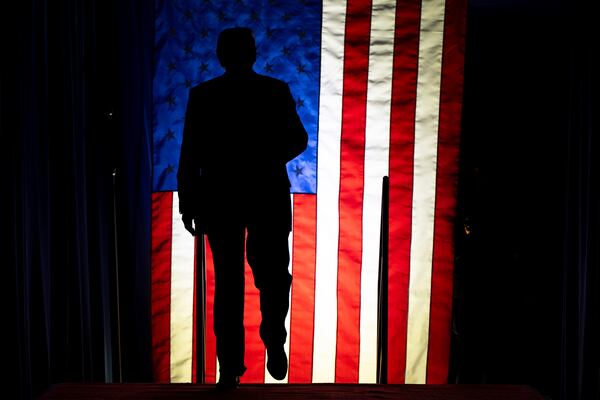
[[241, 129]]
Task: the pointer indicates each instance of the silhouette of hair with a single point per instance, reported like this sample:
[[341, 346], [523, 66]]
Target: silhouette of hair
[[236, 48]]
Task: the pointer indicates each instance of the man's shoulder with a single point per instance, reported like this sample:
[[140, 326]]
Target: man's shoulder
[[215, 85], [206, 85], [271, 81]]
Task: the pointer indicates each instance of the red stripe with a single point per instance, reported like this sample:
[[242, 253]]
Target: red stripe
[[447, 172], [162, 209], [255, 350], [302, 312], [402, 120], [211, 342], [356, 65]]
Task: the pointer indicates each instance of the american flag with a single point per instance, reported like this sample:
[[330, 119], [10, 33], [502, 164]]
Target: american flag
[[378, 86]]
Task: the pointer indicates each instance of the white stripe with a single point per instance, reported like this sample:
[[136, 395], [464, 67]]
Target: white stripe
[[182, 298], [330, 121], [423, 207], [377, 141], [268, 377]]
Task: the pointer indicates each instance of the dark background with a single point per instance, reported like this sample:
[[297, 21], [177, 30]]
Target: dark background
[[75, 102], [526, 276]]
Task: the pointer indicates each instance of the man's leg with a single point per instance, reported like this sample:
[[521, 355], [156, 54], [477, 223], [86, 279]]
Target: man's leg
[[268, 256], [227, 246]]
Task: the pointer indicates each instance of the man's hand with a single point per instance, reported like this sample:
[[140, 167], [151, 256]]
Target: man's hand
[[188, 222]]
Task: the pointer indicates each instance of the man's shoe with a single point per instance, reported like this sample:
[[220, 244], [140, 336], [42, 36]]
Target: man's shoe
[[228, 382], [277, 362]]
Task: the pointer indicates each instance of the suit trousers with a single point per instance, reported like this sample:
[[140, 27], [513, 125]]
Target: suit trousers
[[268, 255]]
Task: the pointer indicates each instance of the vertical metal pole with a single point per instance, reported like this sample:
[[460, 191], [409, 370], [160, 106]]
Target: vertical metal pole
[[200, 308], [117, 286], [382, 306]]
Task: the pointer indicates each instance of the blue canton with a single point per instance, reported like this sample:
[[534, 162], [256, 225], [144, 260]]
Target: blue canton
[[288, 39]]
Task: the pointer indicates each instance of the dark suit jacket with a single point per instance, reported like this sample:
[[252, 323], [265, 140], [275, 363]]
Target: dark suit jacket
[[239, 133]]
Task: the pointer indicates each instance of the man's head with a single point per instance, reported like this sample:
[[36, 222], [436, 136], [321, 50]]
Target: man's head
[[236, 49]]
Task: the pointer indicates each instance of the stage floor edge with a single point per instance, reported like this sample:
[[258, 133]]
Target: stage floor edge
[[149, 391]]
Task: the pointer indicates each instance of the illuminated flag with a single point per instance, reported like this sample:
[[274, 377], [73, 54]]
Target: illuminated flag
[[378, 85]]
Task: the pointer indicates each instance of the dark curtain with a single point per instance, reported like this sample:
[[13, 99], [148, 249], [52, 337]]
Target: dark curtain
[[75, 136], [580, 279], [134, 113], [527, 270]]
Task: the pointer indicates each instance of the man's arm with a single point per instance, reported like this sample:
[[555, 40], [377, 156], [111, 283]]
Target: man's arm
[[296, 136], [188, 173]]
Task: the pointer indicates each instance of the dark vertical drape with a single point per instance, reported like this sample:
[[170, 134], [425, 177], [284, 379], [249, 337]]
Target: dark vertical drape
[[580, 279], [135, 61], [75, 100], [527, 269]]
